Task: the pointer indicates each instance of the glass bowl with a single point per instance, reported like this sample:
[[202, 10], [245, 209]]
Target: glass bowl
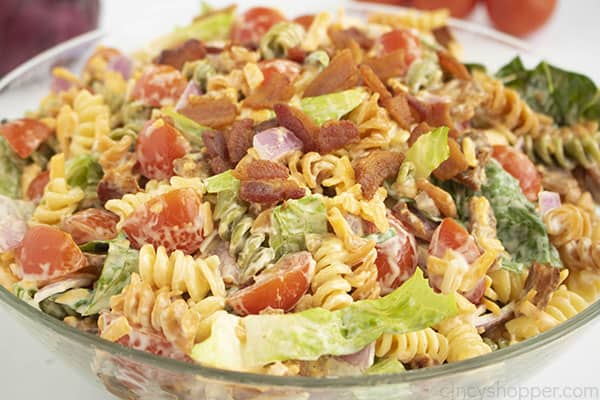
[[132, 374]]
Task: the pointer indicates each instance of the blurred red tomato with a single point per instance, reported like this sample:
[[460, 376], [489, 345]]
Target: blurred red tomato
[[457, 8], [520, 17]]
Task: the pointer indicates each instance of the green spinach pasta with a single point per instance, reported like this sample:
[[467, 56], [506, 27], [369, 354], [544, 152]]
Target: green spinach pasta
[[288, 196]]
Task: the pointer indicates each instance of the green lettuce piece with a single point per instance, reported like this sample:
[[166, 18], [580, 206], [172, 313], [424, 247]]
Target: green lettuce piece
[[428, 152], [84, 171], [281, 37], [565, 95], [189, 128], [120, 263], [225, 181], [293, 220], [313, 333], [319, 58], [332, 106], [213, 27], [10, 171], [386, 366]]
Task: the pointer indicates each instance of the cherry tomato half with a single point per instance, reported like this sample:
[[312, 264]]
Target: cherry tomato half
[[47, 253], [25, 135], [36, 188], [401, 39], [172, 220], [280, 288], [91, 224], [253, 24], [158, 145], [520, 17], [305, 20], [396, 257], [451, 235], [290, 69], [160, 85], [521, 168]]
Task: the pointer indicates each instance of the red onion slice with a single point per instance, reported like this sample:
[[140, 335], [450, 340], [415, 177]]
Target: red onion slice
[[548, 201], [363, 358], [274, 143], [192, 89], [121, 64], [59, 85], [74, 281]]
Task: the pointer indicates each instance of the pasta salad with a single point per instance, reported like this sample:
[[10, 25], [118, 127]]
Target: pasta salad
[[317, 196]]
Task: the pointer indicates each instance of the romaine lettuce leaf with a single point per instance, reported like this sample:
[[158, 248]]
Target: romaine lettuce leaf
[[565, 95], [332, 106], [225, 181], [84, 171], [293, 220], [120, 263], [281, 37], [385, 367], [428, 152], [313, 333], [10, 171], [189, 128]]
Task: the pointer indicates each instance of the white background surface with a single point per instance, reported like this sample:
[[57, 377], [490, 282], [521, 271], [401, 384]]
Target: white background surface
[[29, 371]]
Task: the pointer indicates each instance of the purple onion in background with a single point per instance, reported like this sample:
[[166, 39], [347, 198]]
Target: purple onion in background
[[121, 64], [27, 27], [192, 89], [274, 143]]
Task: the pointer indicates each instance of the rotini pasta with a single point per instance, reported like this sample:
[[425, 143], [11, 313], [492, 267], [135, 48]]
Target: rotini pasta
[[567, 223], [585, 283], [316, 172], [408, 346], [464, 341], [425, 21], [93, 122]]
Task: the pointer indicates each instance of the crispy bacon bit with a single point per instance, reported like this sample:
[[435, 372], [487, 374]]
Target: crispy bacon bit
[[272, 191], [268, 124], [372, 169], [339, 75], [274, 89], [418, 131], [420, 227], [296, 54], [334, 135], [389, 65], [438, 114], [399, 110], [299, 123], [216, 149], [452, 66], [544, 279], [239, 139], [176, 57], [215, 113], [442, 199], [443, 36], [115, 184], [260, 170], [373, 82], [454, 165]]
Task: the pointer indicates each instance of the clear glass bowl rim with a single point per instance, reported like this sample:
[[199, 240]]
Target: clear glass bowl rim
[[442, 371]]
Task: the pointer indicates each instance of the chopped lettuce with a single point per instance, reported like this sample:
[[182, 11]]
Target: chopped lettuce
[[10, 171], [428, 152], [95, 246], [332, 106], [225, 181], [14, 215], [293, 220], [281, 37], [209, 28], [566, 96], [313, 333], [120, 263], [189, 128], [318, 58], [386, 366], [84, 171]]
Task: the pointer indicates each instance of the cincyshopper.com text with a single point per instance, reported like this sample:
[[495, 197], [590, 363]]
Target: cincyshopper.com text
[[508, 392]]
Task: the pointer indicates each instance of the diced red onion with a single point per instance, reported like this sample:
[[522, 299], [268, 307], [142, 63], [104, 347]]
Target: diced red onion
[[274, 143], [121, 64], [75, 281], [60, 85], [192, 89], [363, 358], [14, 215], [548, 201]]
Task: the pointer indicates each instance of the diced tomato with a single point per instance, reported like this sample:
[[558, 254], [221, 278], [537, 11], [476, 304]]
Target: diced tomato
[[396, 257], [47, 253], [521, 168], [35, 191], [451, 235], [253, 24], [172, 220], [158, 145], [160, 85], [25, 135], [91, 224], [290, 69], [401, 39], [305, 20], [279, 288]]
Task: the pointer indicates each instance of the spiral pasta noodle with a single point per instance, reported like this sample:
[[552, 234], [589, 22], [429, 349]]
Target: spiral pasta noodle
[[563, 305], [408, 346], [316, 171], [59, 199], [585, 283], [567, 223], [93, 121], [464, 341], [180, 273], [581, 254], [506, 285], [422, 20]]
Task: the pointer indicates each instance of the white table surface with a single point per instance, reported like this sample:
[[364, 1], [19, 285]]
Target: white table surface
[[29, 371]]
